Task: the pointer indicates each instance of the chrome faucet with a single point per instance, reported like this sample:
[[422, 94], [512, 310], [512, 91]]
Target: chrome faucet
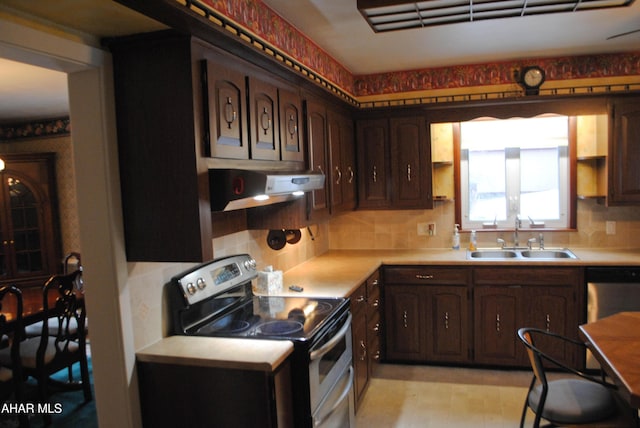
[[518, 225]]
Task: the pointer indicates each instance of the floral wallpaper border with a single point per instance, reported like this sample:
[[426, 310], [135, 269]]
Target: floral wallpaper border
[[35, 129], [265, 23]]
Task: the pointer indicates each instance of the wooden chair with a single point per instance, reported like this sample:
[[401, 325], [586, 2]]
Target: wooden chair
[[572, 400], [62, 346], [11, 379]]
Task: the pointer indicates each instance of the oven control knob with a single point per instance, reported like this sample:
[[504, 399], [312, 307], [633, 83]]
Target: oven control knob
[[191, 289], [250, 264], [201, 283]]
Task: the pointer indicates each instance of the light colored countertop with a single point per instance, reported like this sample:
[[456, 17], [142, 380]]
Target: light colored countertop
[[255, 355], [338, 274]]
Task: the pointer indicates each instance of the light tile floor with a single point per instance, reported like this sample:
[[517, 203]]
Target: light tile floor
[[407, 396], [435, 397]]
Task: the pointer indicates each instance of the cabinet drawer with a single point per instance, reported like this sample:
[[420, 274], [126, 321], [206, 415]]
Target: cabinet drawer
[[426, 275], [526, 276]]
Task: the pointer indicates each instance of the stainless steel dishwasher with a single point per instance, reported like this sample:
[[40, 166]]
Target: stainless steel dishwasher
[[611, 290]]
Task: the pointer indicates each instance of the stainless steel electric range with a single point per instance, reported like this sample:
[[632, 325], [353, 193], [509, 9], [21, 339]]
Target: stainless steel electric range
[[215, 299]]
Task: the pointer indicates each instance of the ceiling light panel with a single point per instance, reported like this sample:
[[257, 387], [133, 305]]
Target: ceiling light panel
[[393, 15]]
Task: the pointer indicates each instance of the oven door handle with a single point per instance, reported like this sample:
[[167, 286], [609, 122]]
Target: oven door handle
[[343, 396], [318, 353]]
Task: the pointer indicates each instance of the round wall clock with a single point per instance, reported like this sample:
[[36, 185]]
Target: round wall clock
[[531, 78]]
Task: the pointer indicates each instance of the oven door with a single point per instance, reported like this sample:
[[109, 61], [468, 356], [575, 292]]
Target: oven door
[[329, 358], [337, 410]]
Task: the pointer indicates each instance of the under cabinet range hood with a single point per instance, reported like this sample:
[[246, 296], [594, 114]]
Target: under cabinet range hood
[[234, 189]]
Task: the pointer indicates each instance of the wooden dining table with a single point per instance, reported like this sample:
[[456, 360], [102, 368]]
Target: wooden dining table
[[615, 343]]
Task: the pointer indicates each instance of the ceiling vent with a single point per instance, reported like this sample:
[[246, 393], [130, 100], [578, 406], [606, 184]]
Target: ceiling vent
[[393, 15]]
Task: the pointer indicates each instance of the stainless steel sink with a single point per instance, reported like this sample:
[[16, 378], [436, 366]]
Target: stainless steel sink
[[520, 254], [492, 254], [548, 254]]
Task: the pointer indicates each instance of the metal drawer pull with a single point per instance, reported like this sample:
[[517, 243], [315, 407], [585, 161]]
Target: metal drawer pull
[[360, 299], [352, 174], [376, 328], [404, 319], [446, 320], [375, 174], [375, 303], [498, 322], [339, 175], [420, 276], [363, 348], [409, 173], [548, 322]]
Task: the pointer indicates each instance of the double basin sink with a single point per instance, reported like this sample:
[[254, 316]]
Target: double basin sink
[[520, 254]]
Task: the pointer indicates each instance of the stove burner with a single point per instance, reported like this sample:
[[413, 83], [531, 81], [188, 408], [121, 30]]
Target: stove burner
[[323, 308], [279, 328], [224, 326]]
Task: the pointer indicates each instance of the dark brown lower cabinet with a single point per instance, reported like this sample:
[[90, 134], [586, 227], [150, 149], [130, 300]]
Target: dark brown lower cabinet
[[470, 315], [175, 395], [365, 329], [506, 299], [427, 314]]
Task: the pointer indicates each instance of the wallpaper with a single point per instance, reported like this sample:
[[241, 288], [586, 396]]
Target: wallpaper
[[260, 20]]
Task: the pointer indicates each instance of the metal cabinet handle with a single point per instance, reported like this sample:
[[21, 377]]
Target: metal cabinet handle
[[376, 328], [375, 282], [351, 174], [409, 172], [292, 126], [339, 175], [360, 299], [230, 114], [427, 276], [498, 322], [321, 170], [405, 322], [363, 349], [375, 303], [446, 320], [548, 322], [265, 120], [375, 174], [319, 353]]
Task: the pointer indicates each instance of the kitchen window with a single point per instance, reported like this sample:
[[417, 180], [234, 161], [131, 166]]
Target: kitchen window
[[515, 169]]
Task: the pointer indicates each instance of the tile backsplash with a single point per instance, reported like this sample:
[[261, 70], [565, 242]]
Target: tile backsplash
[[398, 229]]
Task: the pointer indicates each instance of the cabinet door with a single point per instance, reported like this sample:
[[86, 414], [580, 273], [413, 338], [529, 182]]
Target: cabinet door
[[547, 308], [360, 356], [404, 323], [341, 162], [496, 322], [265, 135], [449, 317], [411, 162], [291, 145], [624, 177], [373, 163], [225, 112], [335, 160], [317, 143]]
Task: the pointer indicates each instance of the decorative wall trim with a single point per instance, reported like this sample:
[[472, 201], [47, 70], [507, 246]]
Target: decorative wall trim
[[254, 23], [38, 129]]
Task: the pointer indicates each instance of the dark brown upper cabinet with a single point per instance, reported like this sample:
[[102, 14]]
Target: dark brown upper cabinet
[[342, 173], [265, 129], [624, 153], [410, 163], [225, 112], [373, 163], [292, 144], [317, 140]]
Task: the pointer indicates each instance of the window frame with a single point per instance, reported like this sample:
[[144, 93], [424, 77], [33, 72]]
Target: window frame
[[571, 181]]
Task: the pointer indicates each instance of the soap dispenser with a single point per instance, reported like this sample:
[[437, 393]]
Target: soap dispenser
[[456, 237], [473, 241]]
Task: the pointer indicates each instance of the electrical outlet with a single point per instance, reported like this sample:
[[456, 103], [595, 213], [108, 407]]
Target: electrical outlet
[[432, 229], [610, 227]]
